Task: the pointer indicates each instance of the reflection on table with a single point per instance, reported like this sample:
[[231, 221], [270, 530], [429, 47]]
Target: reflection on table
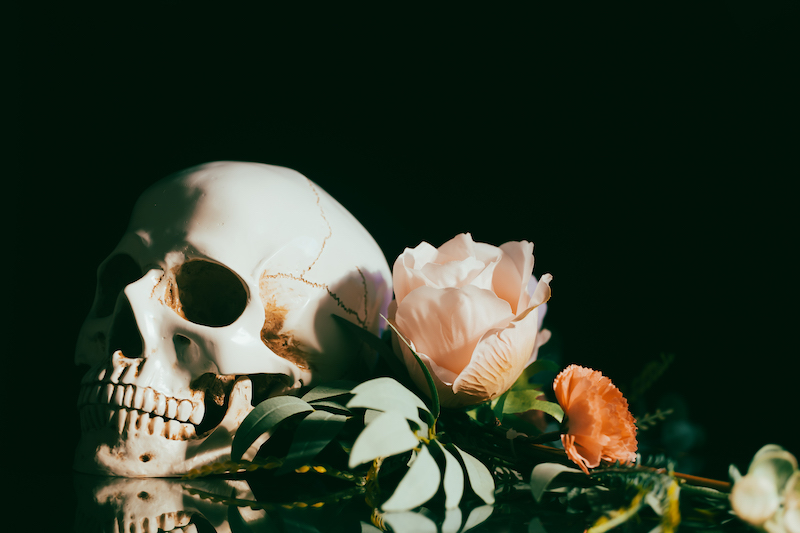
[[227, 505]]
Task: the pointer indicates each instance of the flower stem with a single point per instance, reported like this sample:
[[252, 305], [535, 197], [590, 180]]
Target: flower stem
[[604, 524], [545, 437]]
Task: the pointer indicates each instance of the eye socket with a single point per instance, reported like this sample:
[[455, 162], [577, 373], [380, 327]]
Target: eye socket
[[114, 275], [209, 293]]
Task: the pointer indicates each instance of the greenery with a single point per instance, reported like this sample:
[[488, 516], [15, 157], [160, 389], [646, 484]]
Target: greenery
[[385, 451]]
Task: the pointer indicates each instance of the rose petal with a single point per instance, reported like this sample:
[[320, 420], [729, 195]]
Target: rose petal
[[499, 359], [532, 284], [456, 249], [446, 324], [442, 378], [404, 277], [542, 293], [541, 338], [511, 276], [462, 248], [469, 271]]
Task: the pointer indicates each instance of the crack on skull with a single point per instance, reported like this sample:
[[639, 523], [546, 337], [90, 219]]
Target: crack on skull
[[350, 311], [328, 224]]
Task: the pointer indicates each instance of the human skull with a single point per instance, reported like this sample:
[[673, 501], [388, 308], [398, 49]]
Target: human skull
[[149, 505], [219, 295]]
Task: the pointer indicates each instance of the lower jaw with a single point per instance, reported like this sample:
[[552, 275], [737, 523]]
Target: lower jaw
[[103, 452], [138, 453]]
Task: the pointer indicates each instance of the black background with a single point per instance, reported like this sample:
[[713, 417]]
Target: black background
[[648, 152]]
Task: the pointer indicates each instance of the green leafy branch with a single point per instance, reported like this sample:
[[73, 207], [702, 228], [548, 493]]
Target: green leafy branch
[[650, 420], [323, 418], [399, 428]]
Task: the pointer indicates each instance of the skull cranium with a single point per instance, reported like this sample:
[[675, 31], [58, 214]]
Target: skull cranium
[[219, 294]]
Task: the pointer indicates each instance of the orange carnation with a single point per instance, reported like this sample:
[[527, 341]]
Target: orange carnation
[[599, 425]]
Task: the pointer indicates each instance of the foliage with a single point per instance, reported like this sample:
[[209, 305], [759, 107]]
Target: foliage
[[380, 440]]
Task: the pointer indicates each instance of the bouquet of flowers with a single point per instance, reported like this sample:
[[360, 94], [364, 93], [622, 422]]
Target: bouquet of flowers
[[460, 412]]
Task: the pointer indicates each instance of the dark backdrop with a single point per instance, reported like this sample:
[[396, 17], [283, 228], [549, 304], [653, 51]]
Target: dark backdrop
[[648, 152]]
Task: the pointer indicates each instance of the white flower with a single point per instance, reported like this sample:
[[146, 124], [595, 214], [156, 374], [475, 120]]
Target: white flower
[[768, 496]]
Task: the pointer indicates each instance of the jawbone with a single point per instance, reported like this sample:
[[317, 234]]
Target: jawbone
[[132, 444]]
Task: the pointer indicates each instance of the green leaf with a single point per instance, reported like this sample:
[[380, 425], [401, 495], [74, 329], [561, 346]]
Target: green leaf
[[329, 390], [418, 485], [453, 479], [497, 406], [388, 434], [333, 407], [315, 432], [409, 522], [540, 365], [238, 524], [524, 400], [386, 394], [478, 516], [435, 406], [452, 518], [384, 350], [263, 419], [480, 479], [543, 475]]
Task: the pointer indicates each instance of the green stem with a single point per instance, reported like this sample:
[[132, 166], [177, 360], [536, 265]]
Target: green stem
[[435, 407], [624, 516], [545, 437]]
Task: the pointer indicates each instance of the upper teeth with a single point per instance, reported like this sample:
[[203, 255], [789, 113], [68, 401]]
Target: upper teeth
[[142, 399], [108, 397]]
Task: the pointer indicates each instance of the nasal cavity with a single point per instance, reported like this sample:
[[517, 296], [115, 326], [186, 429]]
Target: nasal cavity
[[125, 333]]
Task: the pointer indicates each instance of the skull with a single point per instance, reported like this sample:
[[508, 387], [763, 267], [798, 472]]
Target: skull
[[219, 295], [158, 505]]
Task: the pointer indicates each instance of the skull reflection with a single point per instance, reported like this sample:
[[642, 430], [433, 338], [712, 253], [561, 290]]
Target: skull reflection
[[219, 295]]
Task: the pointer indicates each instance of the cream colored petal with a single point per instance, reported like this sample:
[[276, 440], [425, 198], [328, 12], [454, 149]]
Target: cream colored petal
[[486, 252], [511, 276], [774, 464], [404, 275], [442, 378], [499, 359], [541, 338], [754, 499], [791, 503], [542, 293], [446, 324], [456, 273], [532, 284], [458, 248]]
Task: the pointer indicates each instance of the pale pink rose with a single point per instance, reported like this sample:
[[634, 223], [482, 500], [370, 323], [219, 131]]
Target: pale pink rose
[[472, 312]]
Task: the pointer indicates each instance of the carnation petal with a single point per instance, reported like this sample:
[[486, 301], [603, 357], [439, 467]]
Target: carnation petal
[[599, 424], [446, 324]]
